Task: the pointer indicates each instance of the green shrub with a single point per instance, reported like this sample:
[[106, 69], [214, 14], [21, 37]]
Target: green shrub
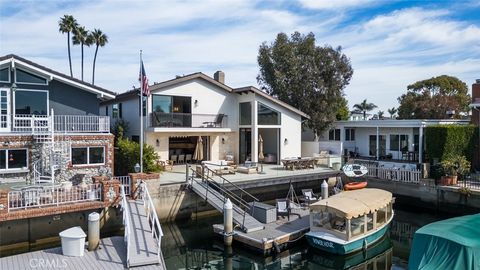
[[444, 141], [127, 154], [455, 165]]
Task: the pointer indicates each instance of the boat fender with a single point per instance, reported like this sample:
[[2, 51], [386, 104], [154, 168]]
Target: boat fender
[[277, 247], [365, 245]]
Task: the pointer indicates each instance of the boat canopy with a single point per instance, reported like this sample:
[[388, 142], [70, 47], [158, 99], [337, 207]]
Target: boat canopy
[[355, 203], [448, 244]]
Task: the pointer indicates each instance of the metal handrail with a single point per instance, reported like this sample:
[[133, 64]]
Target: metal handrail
[[153, 218], [225, 180], [126, 222]]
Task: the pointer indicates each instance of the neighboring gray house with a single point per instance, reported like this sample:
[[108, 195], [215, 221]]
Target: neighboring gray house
[[50, 128]]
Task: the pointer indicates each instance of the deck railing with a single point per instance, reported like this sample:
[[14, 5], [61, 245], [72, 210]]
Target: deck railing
[[187, 120], [394, 174], [471, 181], [40, 124], [35, 197], [157, 232], [126, 221], [126, 182]]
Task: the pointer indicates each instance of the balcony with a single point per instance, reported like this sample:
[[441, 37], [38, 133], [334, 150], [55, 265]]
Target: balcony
[[187, 120], [38, 124]]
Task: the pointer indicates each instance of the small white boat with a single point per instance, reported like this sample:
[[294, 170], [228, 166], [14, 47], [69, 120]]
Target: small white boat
[[354, 170], [350, 221]]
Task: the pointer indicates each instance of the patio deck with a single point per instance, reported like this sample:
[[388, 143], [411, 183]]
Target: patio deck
[[271, 173]]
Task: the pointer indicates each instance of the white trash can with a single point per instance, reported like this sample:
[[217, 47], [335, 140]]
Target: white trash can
[[73, 241]]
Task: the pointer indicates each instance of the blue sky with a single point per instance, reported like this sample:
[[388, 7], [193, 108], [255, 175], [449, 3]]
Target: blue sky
[[390, 43]]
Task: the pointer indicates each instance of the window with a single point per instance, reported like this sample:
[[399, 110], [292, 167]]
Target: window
[[398, 142], [334, 135], [267, 115], [28, 78], [13, 159], [91, 155], [5, 75], [245, 113], [349, 134], [171, 104], [117, 110], [31, 102]]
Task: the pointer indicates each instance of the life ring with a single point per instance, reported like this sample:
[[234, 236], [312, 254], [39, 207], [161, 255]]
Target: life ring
[[355, 185]]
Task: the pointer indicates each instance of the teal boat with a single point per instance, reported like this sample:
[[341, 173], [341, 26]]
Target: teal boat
[[350, 221], [448, 244]]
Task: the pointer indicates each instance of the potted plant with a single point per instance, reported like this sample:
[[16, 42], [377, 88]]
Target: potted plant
[[453, 166]]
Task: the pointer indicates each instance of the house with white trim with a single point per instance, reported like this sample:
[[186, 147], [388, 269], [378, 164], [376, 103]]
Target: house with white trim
[[229, 120], [50, 127]]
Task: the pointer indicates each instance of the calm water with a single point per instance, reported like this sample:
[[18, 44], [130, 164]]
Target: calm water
[[193, 245]]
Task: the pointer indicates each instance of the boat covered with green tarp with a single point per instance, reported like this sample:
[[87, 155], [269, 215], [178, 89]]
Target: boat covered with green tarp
[[448, 244]]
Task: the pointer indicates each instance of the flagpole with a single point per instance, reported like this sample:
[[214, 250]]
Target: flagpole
[[141, 115]]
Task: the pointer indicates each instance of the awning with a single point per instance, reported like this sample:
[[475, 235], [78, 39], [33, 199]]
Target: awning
[[355, 203]]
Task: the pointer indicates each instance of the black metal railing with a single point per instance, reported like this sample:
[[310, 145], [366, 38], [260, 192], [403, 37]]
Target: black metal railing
[[171, 120]]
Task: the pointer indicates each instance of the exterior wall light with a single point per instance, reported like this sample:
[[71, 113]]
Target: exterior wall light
[[137, 168], [223, 140], [158, 143], [196, 103], [285, 141]]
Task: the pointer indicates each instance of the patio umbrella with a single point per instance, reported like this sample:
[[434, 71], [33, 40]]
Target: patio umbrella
[[198, 154], [260, 147]]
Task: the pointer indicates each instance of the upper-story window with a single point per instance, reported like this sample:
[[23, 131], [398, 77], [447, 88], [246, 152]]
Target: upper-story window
[[5, 74], [267, 115], [31, 102], [171, 104], [245, 109], [117, 110], [28, 78], [334, 134], [349, 134]]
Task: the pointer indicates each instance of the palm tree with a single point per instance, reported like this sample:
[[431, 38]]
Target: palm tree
[[392, 112], [68, 24], [364, 107], [81, 36], [380, 114], [100, 39]]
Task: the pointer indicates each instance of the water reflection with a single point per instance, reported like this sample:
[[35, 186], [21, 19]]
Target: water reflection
[[193, 245]]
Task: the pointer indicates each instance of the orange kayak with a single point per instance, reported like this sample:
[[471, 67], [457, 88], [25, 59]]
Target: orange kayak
[[355, 185]]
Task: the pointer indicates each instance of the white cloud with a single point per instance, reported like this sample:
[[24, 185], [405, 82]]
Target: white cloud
[[332, 4], [388, 51]]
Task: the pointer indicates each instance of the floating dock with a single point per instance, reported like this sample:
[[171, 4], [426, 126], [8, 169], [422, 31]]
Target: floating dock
[[275, 236]]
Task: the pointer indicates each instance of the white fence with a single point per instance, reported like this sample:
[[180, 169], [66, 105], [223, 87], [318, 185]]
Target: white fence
[[126, 182], [152, 217], [32, 197], [126, 220], [394, 174], [38, 124]]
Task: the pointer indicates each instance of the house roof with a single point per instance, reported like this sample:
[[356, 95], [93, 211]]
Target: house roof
[[273, 99], [401, 123], [55, 75]]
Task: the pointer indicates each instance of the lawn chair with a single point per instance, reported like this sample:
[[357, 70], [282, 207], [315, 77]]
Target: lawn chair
[[309, 196], [283, 208]]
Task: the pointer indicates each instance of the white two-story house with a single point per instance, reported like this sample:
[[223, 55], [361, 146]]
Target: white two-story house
[[228, 120], [50, 128]]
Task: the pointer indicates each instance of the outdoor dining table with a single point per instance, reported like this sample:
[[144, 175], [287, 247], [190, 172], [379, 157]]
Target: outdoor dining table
[[298, 163]]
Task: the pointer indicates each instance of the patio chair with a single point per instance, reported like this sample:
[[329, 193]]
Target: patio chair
[[188, 158], [309, 196], [217, 122], [174, 158], [283, 208], [181, 159]]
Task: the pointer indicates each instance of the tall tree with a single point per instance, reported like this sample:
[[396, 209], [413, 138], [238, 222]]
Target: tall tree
[[100, 39], [432, 98], [308, 77], [68, 24], [392, 112], [81, 36], [364, 107], [380, 114]]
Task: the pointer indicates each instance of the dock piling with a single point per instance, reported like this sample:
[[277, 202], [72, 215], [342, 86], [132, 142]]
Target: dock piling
[[228, 223], [93, 231]]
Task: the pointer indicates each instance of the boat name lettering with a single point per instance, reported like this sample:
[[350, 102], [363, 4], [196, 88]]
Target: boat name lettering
[[322, 243]]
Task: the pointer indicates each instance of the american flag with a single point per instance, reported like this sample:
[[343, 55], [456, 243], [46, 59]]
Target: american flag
[[142, 78]]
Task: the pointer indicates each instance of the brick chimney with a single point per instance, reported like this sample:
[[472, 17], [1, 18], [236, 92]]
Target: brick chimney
[[219, 76], [476, 99]]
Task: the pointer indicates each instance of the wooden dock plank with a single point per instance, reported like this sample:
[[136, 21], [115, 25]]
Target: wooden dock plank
[[143, 248], [111, 255], [217, 201]]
